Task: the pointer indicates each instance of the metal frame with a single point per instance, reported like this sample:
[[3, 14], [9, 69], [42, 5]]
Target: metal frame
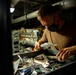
[[6, 67]]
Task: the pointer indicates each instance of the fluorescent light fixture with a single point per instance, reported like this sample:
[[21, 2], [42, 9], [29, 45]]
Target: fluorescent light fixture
[[12, 10]]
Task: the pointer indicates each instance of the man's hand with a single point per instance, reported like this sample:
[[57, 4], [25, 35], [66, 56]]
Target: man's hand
[[63, 54], [37, 46]]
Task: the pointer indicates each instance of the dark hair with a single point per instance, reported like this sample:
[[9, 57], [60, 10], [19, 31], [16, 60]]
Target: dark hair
[[47, 9]]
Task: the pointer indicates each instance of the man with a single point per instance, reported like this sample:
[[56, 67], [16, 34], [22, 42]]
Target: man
[[57, 31]]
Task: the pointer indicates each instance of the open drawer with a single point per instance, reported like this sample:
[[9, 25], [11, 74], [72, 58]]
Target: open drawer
[[56, 67]]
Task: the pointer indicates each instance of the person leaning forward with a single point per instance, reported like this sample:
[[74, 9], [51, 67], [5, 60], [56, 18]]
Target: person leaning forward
[[58, 31]]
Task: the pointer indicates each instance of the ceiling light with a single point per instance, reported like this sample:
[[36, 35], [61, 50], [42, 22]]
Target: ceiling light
[[12, 10]]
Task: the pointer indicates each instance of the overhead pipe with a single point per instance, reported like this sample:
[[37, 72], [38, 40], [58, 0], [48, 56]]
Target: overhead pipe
[[25, 17]]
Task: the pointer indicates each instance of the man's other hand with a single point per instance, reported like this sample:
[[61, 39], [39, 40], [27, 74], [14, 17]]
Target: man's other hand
[[63, 54]]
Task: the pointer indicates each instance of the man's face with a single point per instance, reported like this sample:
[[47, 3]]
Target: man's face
[[49, 23], [47, 20]]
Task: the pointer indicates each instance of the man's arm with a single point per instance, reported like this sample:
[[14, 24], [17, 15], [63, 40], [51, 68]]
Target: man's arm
[[43, 39]]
